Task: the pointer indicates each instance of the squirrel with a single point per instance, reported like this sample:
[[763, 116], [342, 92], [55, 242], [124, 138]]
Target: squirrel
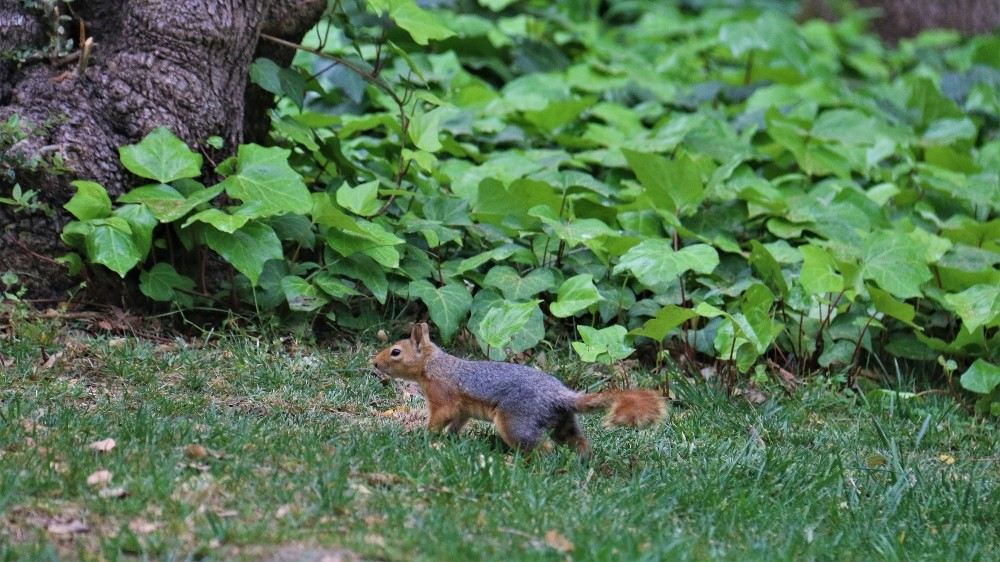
[[524, 403]]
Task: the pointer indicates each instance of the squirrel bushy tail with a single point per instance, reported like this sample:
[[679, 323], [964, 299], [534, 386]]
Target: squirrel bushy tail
[[626, 407]]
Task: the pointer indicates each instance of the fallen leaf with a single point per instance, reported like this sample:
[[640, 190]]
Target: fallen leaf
[[382, 336], [51, 360], [946, 458], [754, 396], [68, 527], [382, 479], [142, 527], [103, 446], [361, 489], [99, 478], [558, 541], [117, 492], [195, 451], [5, 362], [395, 411], [876, 460]]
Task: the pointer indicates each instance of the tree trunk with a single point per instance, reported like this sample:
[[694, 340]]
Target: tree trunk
[[905, 18], [179, 63]]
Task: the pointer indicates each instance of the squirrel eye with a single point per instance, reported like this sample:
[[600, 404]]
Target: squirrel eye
[[395, 352]]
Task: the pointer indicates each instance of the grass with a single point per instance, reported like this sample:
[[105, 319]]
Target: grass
[[302, 448]]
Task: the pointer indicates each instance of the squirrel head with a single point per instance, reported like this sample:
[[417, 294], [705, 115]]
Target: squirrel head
[[405, 359]]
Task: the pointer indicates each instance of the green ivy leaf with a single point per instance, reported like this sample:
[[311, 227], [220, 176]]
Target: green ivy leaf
[[167, 203], [981, 377], [528, 337], [819, 271], [605, 346], [142, 222], [279, 81], [886, 304], [91, 201], [425, 127], [755, 322], [72, 261], [517, 288], [655, 263], [110, 243], [447, 305], [301, 295], [499, 204], [163, 200], [896, 262], [504, 321], [374, 240], [976, 306], [575, 295], [422, 25], [333, 286], [559, 113], [219, 219], [361, 200], [247, 249], [496, 254], [161, 156], [673, 185], [767, 267], [266, 184], [162, 283], [364, 269], [666, 319]]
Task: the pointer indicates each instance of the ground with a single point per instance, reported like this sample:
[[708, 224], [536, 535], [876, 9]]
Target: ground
[[243, 447]]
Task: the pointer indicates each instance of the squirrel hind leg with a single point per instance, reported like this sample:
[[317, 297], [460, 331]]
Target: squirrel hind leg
[[517, 433], [568, 432]]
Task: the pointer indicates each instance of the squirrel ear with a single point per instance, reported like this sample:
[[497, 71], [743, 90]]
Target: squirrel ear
[[425, 338], [415, 334]]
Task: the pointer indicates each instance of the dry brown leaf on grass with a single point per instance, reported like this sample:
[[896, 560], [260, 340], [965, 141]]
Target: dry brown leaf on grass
[[753, 396], [195, 451], [140, 526], [103, 445], [946, 458], [5, 362], [99, 478], [67, 527], [116, 492], [51, 360], [558, 541], [382, 479]]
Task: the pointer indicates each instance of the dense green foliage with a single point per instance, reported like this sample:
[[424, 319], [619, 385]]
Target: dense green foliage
[[723, 180], [237, 448]]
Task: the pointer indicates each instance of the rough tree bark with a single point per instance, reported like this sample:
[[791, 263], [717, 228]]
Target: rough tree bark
[[179, 63], [906, 18]]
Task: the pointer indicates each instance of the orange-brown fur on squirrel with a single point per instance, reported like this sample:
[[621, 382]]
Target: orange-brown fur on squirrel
[[524, 403]]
